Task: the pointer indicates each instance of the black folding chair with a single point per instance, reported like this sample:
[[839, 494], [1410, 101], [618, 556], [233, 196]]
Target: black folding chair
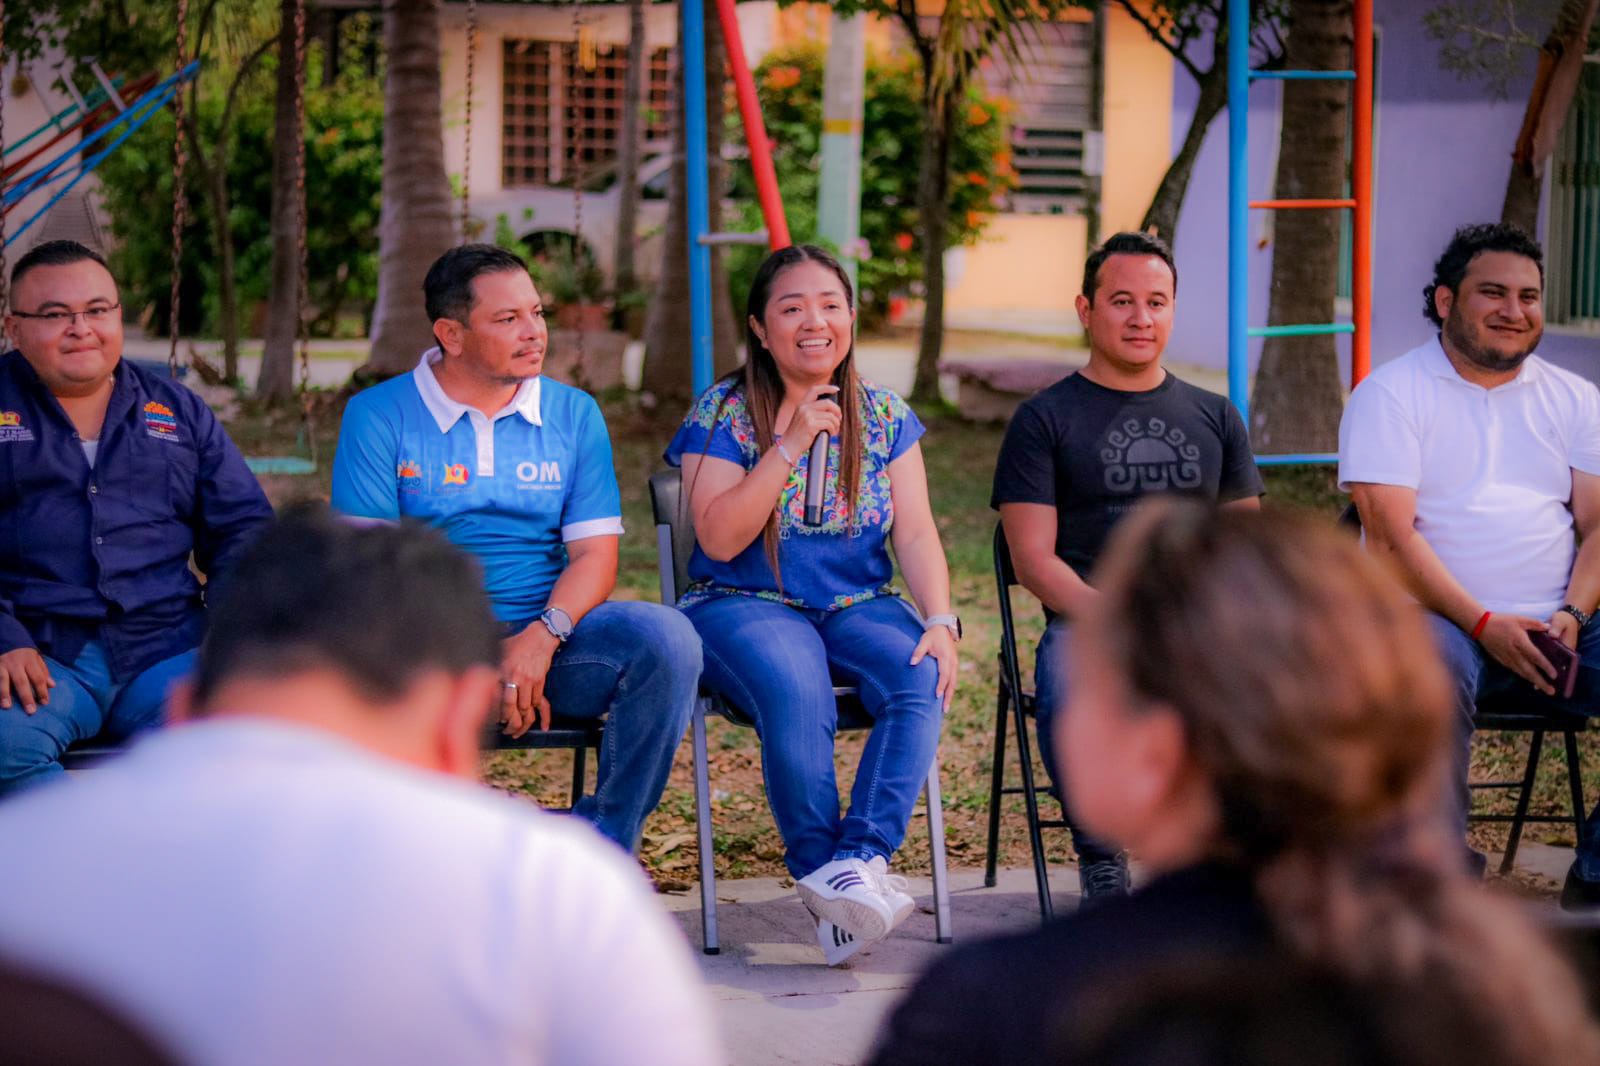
[[1521, 712], [1019, 701], [674, 546]]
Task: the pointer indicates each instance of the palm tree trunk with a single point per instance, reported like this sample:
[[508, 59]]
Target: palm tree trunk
[[933, 207], [666, 330], [415, 225], [628, 156], [1555, 83], [276, 381], [1167, 204], [1298, 397]]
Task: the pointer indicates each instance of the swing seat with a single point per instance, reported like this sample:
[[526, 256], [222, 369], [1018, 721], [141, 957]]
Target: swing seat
[[279, 464]]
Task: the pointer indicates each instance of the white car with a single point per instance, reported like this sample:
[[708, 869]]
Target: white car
[[547, 217]]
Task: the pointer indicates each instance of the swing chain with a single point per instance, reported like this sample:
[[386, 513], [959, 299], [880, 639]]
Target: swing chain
[[302, 209], [180, 160], [5, 288], [466, 156], [575, 127]]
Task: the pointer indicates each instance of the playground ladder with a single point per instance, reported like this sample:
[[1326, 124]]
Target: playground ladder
[[1239, 204]]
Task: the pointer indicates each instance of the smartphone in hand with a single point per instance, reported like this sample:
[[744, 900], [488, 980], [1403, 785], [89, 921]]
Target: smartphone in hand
[[1563, 658]]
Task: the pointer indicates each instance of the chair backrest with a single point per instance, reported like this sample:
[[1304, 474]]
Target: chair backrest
[[1005, 576], [674, 531]]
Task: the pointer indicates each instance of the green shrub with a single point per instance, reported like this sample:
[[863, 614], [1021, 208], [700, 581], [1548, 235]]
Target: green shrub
[[344, 165]]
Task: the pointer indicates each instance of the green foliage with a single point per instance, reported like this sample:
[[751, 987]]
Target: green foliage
[[1494, 40], [790, 85], [344, 162]]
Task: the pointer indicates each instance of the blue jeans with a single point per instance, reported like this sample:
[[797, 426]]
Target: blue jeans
[[1476, 675], [638, 665], [85, 703], [778, 665], [1050, 697]]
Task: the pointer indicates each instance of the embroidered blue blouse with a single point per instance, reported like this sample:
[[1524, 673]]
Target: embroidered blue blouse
[[824, 567]]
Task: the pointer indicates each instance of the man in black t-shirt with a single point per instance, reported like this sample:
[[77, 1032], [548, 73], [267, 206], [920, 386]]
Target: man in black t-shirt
[[1085, 451]]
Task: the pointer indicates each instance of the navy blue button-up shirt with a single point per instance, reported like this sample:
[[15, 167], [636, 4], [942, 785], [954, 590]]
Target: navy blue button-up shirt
[[103, 553]]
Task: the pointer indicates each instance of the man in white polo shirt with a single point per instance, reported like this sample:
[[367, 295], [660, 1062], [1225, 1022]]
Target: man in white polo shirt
[[303, 871], [516, 469], [1475, 466]]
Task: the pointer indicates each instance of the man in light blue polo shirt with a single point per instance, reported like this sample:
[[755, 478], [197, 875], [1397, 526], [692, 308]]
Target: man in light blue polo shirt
[[517, 470]]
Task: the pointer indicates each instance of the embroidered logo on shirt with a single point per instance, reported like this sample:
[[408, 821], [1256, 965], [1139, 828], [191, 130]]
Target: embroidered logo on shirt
[[409, 474], [535, 476], [160, 421], [455, 474], [12, 429], [1149, 456]]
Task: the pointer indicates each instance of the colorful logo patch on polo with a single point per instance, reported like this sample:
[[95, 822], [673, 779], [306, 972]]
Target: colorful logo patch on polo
[[455, 474], [409, 473], [160, 421], [11, 428]]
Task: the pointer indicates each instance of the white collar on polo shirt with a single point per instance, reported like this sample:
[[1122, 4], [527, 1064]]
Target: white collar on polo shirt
[[447, 412], [1439, 364]]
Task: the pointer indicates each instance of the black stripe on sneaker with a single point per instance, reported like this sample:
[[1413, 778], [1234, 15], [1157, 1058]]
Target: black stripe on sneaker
[[848, 879]]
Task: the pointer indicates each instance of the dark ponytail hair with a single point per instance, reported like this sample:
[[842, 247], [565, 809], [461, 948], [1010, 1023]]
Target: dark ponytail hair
[[1314, 701]]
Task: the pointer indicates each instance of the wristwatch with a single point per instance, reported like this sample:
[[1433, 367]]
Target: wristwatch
[[558, 622], [949, 621], [1583, 619]]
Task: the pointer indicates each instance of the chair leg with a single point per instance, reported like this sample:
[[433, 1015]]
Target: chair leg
[[580, 761], [702, 813], [997, 782], [1525, 790], [941, 876], [1030, 798], [1580, 813]]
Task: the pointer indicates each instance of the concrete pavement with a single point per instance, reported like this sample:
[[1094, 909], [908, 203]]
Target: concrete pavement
[[777, 1003]]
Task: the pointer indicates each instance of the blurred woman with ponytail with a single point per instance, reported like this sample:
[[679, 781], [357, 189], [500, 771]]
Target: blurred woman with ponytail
[[1262, 721]]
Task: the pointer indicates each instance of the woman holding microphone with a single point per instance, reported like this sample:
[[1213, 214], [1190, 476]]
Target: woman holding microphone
[[787, 607]]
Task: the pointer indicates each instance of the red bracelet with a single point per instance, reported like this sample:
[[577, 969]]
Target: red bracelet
[[1477, 630]]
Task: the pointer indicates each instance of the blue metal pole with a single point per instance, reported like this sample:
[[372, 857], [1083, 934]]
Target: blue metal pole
[[693, 48], [1238, 205]]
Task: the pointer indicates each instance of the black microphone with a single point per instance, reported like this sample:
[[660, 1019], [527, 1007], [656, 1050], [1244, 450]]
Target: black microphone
[[816, 479]]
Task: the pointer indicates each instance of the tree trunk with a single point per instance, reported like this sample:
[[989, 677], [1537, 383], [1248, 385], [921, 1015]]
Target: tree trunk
[[668, 357], [415, 226], [628, 159], [276, 381], [933, 207], [227, 286], [1298, 398], [1555, 83], [1167, 204]]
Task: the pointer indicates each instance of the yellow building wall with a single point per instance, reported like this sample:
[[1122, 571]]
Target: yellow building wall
[[1031, 263], [1138, 121]]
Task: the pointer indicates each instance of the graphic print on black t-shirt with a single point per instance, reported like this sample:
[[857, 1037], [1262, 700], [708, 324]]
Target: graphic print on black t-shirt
[[1093, 453], [1146, 455]]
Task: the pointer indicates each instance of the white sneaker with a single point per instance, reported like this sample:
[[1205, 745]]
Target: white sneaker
[[838, 945], [893, 888], [845, 892]]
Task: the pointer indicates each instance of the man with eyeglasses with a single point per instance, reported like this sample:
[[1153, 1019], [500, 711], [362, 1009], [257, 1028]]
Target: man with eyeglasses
[[111, 478]]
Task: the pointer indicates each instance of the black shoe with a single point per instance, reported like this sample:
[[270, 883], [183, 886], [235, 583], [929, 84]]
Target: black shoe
[[1578, 894], [1103, 878]]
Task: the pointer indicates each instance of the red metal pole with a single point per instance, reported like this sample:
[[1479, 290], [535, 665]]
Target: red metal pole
[[1361, 191], [755, 130]]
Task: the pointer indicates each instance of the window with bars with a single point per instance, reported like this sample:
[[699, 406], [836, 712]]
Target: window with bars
[[1572, 229], [557, 115], [1050, 84]]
